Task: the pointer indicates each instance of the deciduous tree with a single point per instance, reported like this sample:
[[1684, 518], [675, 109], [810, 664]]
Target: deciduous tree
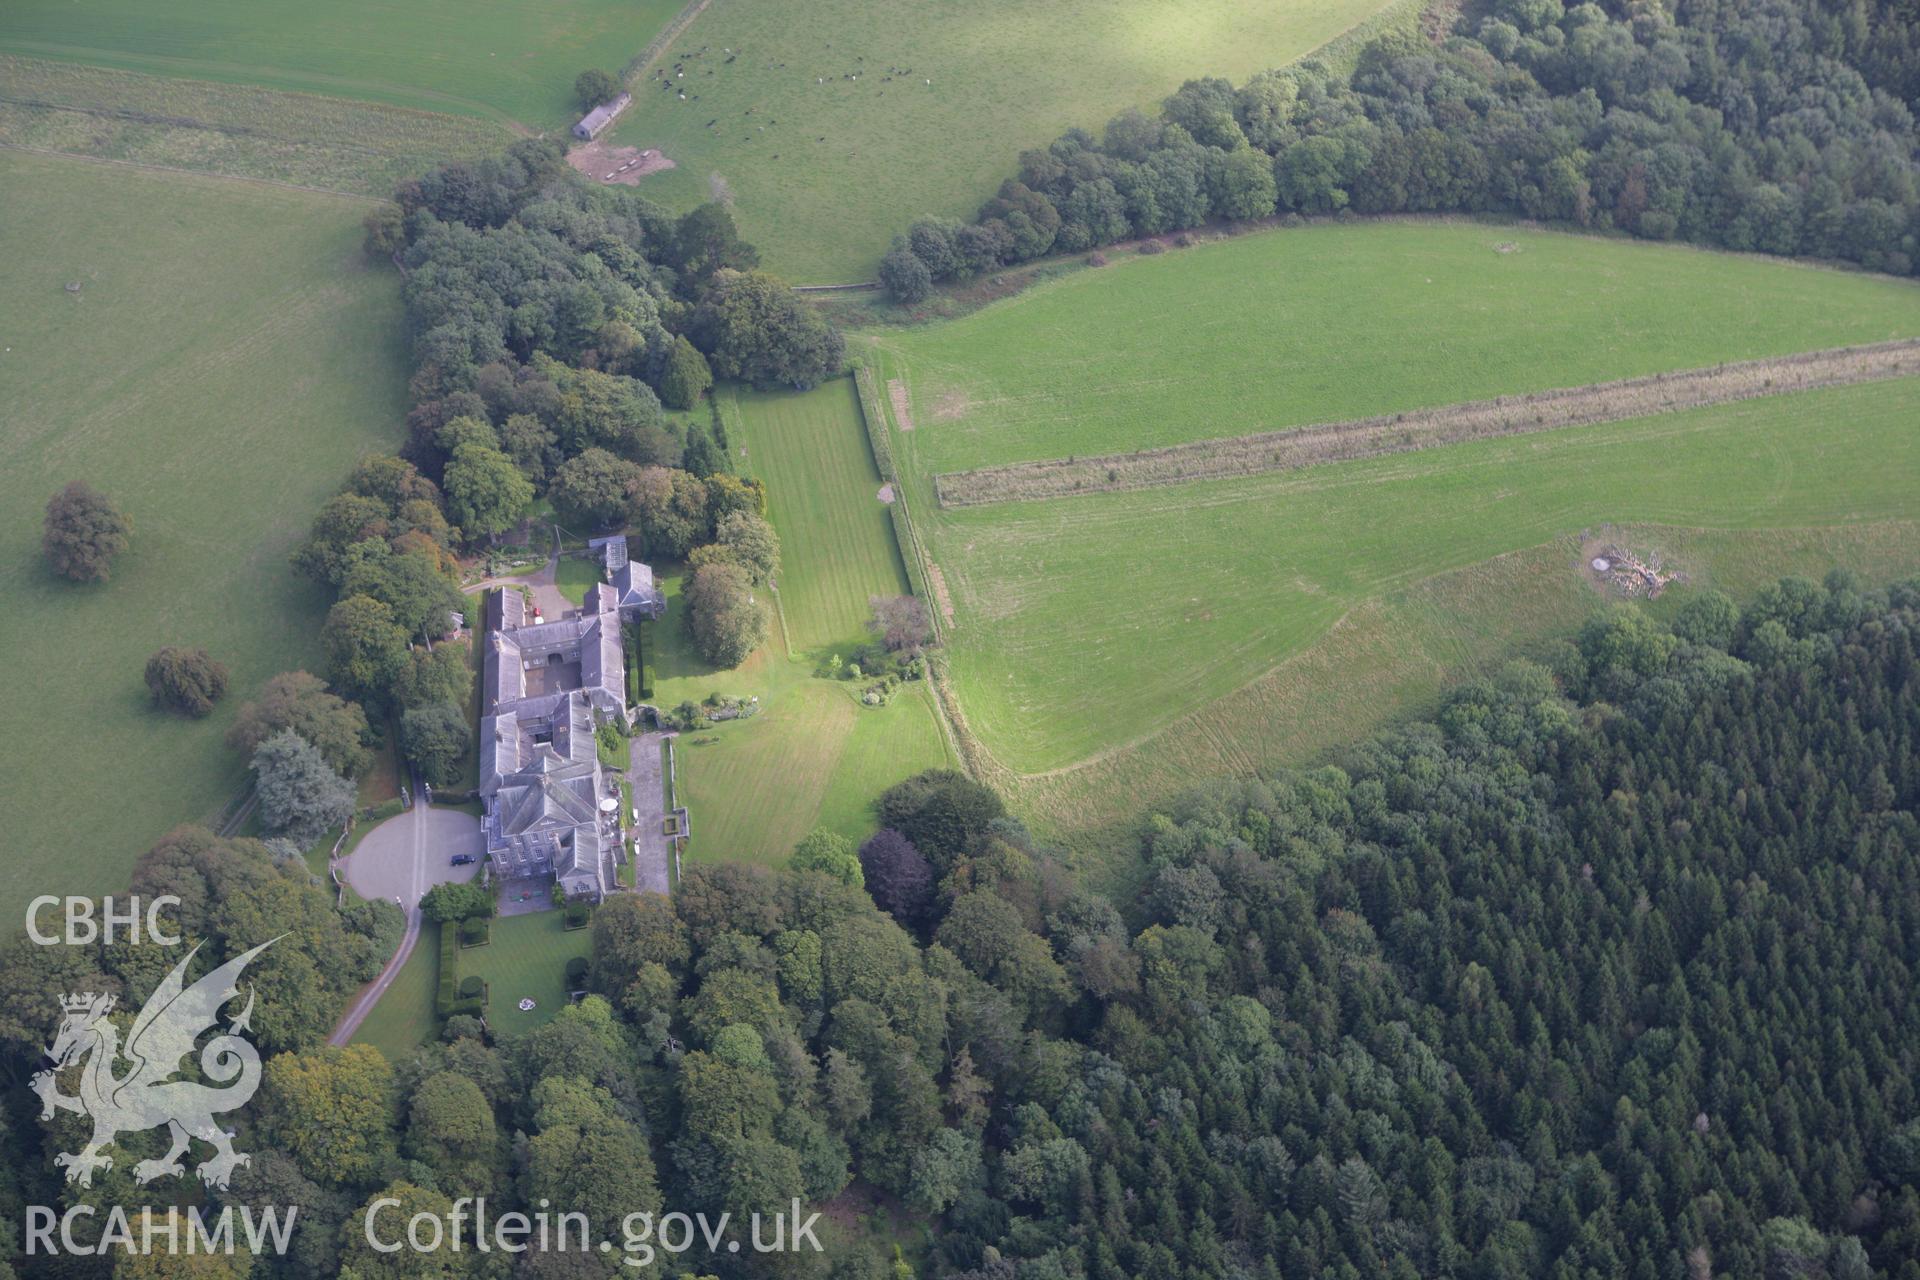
[[728, 621], [486, 490], [902, 622], [685, 377], [898, 876], [185, 680], [450, 1128], [590, 490], [330, 1109], [435, 740], [83, 533], [593, 87], [904, 276], [752, 543], [668, 507], [754, 329], [299, 701], [366, 651], [829, 852]]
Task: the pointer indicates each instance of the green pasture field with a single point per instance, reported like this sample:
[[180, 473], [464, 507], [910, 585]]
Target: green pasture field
[[227, 358], [1087, 624], [1331, 321], [824, 170], [236, 130], [837, 544], [527, 957], [1393, 655], [1086, 631], [512, 61]]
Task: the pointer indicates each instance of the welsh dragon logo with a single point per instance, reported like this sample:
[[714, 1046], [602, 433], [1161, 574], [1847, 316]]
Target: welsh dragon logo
[[149, 1095]]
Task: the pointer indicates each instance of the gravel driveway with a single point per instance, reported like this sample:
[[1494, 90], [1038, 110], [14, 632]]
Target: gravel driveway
[[410, 853]]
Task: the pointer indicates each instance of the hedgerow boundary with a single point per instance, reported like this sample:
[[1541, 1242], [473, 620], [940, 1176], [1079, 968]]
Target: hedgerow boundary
[[1297, 447], [921, 579], [642, 62], [919, 572]]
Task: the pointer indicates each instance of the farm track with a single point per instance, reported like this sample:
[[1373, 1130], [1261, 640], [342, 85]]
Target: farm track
[[658, 46], [1298, 447]]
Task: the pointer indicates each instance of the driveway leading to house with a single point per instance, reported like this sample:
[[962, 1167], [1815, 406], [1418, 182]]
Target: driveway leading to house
[[541, 582], [402, 858], [653, 852], [408, 854]]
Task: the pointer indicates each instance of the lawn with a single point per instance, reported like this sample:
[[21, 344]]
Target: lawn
[[824, 169], [527, 958], [837, 544], [813, 756], [227, 359], [404, 1018], [1331, 321], [508, 60], [574, 576]]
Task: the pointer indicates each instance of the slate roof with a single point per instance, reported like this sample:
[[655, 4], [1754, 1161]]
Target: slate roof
[[601, 116], [635, 591], [590, 637], [613, 551], [541, 783]]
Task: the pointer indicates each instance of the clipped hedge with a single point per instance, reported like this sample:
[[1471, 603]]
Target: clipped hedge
[[903, 534], [448, 1002], [381, 812], [630, 645], [873, 415]]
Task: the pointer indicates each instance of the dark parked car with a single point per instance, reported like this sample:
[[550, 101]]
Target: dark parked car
[[462, 859]]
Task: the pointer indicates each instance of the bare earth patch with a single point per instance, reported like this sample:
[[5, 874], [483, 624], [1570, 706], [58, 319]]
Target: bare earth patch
[[620, 166], [951, 406], [1612, 567], [940, 594], [1308, 446], [902, 411]]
